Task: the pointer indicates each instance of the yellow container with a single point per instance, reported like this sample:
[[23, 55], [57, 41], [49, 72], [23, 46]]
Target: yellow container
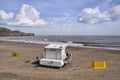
[[98, 65], [15, 54]]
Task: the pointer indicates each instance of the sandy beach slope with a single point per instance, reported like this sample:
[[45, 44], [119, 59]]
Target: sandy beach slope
[[25, 68]]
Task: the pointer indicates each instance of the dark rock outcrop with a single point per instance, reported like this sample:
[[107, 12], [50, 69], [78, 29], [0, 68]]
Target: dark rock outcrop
[[8, 32]]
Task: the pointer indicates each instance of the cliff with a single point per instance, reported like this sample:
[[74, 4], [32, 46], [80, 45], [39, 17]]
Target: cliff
[[8, 32]]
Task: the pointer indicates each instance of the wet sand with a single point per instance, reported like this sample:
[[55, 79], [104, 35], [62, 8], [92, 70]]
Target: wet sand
[[26, 68]]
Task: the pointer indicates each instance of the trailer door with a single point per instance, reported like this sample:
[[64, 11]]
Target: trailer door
[[51, 54], [58, 54]]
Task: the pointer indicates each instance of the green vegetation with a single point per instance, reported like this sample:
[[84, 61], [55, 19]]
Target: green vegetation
[[8, 32]]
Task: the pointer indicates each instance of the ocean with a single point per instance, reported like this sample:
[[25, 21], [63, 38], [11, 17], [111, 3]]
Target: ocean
[[107, 42]]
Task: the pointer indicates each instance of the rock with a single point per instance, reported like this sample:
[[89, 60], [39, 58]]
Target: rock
[[8, 32]]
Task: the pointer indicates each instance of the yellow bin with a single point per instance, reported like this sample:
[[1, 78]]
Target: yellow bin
[[98, 65], [15, 54]]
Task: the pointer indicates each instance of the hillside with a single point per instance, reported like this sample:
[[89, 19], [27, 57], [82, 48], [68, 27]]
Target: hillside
[[8, 32]]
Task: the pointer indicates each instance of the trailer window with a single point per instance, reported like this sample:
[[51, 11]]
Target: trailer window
[[53, 54], [52, 49]]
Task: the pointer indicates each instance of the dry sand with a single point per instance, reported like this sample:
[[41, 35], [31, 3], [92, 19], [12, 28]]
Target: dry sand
[[24, 67]]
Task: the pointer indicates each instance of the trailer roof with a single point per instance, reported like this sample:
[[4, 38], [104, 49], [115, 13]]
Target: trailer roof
[[56, 46]]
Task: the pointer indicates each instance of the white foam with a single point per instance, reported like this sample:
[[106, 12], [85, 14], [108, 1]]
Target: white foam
[[68, 44]]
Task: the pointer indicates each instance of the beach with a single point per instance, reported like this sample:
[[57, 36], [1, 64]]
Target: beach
[[25, 67]]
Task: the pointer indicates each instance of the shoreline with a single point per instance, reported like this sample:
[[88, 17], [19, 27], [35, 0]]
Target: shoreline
[[68, 44]]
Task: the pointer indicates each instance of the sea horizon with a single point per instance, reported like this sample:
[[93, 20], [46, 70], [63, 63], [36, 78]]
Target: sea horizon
[[108, 42]]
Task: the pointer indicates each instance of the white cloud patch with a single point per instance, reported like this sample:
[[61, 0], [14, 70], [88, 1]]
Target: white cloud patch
[[115, 13], [61, 19], [94, 16], [28, 16], [5, 17]]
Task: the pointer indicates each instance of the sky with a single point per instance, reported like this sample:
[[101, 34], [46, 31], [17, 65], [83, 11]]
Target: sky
[[61, 17]]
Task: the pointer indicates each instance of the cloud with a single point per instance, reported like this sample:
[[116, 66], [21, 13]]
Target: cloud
[[5, 17], [61, 19], [94, 16], [115, 13], [28, 16]]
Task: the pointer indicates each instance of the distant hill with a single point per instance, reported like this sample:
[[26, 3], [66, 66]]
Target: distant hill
[[8, 32]]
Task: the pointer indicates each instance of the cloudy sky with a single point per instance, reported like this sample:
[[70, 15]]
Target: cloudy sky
[[62, 17]]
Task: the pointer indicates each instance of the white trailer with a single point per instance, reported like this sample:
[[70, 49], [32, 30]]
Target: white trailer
[[54, 55]]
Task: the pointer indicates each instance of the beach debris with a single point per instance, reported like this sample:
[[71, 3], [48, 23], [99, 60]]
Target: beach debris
[[55, 55], [37, 58], [15, 54], [27, 61], [98, 65]]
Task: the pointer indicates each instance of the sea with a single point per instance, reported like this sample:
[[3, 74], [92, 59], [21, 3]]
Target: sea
[[105, 42]]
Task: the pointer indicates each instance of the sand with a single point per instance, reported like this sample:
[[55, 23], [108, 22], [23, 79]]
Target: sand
[[25, 68]]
